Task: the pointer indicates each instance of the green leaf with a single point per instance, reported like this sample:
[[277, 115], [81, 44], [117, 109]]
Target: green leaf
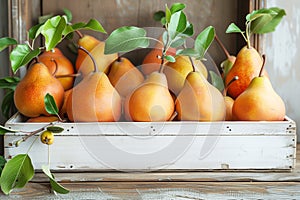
[[5, 42], [233, 28], [16, 173], [53, 31], [126, 39], [226, 65], [163, 21], [177, 42], [170, 58], [168, 15], [189, 31], [4, 130], [7, 104], [21, 55], [177, 7], [178, 24], [2, 163], [68, 13], [204, 40], [50, 105], [188, 52], [159, 15], [9, 82], [55, 129], [267, 23], [216, 80], [93, 24], [32, 33], [54, 184]]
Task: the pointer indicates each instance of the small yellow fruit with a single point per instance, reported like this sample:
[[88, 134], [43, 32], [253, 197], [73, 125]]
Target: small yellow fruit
[[47, 137]]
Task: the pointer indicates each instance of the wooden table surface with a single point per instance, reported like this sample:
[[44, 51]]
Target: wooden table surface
[[168, 185]]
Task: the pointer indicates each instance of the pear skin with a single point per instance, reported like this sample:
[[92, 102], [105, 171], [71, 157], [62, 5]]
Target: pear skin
[[124, 76], [246, 66], [94, 99], [199, 100], [84, 63], [176, 72], [31, 90], [259, 102], [151, 101], [64, 66], [228, 104]]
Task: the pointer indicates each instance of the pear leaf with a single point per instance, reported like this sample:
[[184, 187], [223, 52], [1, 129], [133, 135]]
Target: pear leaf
[[177, 42], [33, 31], [125, 39], [178, 24], [7, 104], [188, 52], [68, 14], [204, 40], [189, 31], [93, 24], [5, 42], [55, 129], [226, 65], [170, 58], [216, 80], [177, 7], [50, 104], [168, 15], [159, 15], [2, 163], [233, 28], [22, 55], [44, 18], [16, 173], [9, 82], [54, 184], [268, 24], [4, 130]]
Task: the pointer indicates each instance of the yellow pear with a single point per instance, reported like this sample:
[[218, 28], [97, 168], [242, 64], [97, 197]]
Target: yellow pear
[[84, 64], [124, 76], [199, 100], [229, 101], [94, 99], [259, 102], [176, 72], [31, 90], [151, 101]]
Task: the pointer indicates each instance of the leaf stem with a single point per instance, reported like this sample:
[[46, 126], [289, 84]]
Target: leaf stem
[[79, 33], [248, 24], [222, 46], [91, 56]]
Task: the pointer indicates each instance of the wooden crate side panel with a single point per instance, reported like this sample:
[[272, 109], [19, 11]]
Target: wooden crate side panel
[[162, 152]]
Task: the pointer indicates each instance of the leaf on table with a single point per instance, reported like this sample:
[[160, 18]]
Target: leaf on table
[[16, 173], [55, 129], [22, 55], [5, 42], [50, 104], [54, 184], [125, 39]]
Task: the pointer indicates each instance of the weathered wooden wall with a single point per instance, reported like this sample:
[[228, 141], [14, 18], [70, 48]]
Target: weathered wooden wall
[[116, 13]]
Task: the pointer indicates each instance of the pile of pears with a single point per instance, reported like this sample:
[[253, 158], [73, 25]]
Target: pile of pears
[[110, 88]]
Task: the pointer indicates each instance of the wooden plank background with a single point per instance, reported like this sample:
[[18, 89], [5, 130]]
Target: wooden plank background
[[115, 13]]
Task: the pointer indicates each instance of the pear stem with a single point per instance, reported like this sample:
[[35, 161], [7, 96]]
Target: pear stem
[[222, 46], [263, 65], [52, 60], [119, 59], [67, 75], [230, 82], [79, 34], [91, 56]]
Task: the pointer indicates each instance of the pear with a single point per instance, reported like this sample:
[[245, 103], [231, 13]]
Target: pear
[[60, 66], [31, 90], [247, 66], [152, 60], [124, 76], [94, 99], [176, 72], [199, 100], [229, 101], [259, 102], [151, 101], [84, 64]]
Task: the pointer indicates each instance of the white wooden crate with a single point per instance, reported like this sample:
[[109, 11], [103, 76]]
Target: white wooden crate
[[143, 146]]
